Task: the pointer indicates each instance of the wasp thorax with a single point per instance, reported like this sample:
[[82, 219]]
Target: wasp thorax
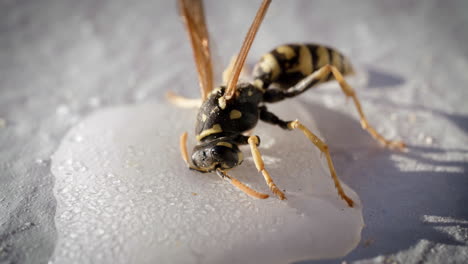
[[216, 154]]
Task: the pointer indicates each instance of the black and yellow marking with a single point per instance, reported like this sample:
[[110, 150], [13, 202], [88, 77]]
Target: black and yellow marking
[[288, 64], [215, 129], [235, 114], [218, 117], [223, 143]]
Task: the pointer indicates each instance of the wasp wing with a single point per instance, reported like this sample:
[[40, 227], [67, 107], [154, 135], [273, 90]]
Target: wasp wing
[[193, 16], [232, 81]]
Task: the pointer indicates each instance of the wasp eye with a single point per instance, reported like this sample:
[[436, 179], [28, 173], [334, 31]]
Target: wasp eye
[[226, 156]]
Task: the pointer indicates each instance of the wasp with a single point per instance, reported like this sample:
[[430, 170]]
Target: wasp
[[227, 113]]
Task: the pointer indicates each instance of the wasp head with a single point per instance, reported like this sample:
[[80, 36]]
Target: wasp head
[[220, 153]]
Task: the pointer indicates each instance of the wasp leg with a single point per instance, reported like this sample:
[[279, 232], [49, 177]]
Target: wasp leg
[[272, 95], [349, 91], [253, 142], [322, 74], [183, 102], [290, 125], [324, 148], [271, 118]]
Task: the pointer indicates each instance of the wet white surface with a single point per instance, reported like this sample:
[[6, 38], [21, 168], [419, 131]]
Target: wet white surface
[[124, 195]]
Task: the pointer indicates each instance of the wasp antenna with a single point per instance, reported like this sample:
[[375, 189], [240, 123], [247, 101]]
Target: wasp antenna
[[231, 85], [246, 189], [184, 153], [183, 148]]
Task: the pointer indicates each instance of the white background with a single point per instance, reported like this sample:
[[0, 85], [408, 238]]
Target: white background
[[60, 60]]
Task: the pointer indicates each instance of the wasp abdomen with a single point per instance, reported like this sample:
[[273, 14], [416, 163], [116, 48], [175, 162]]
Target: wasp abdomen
[[288, 64]]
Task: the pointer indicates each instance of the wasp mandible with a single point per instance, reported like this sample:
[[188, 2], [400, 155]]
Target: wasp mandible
[[228, 112]]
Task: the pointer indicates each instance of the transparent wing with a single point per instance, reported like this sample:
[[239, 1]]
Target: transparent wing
[[232, 81], [194, 19]]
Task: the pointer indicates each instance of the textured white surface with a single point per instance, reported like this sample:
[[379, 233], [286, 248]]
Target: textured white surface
[[124, 195], [60, 60]]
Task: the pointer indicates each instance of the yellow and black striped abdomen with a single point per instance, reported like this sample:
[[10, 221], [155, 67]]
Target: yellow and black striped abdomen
[[288, 64]]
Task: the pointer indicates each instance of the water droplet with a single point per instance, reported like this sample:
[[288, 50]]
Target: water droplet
[[79, 167], [94, 102], [77, 138], [41, 162], [429, 140], [62, 110]]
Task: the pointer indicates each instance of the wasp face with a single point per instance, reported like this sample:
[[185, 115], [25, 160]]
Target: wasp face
[[216, 154]]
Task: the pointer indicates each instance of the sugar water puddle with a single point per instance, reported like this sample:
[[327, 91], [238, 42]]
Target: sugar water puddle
[[124, 195]]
